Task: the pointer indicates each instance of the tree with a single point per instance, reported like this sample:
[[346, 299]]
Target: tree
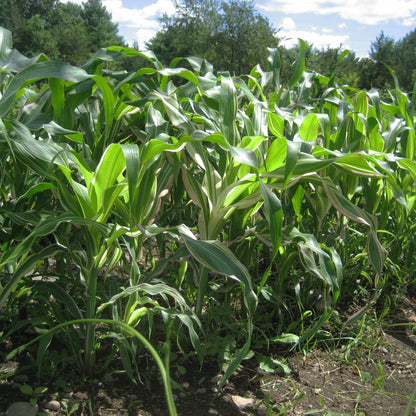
[[28, 21], [70, 32], [102, 32], [374, 73], [62, 31], [231, 35], [328, 61], [244, 37], [37, 38], [406, 61], [190, 32]]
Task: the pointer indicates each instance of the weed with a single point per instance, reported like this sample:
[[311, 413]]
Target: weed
[[33, 393]]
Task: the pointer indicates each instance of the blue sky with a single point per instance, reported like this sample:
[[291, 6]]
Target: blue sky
[[354, 24]]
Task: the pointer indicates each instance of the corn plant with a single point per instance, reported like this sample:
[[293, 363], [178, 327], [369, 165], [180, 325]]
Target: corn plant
[[163, 193]]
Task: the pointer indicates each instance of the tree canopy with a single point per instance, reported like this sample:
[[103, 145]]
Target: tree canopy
[[231, 35], [68, 32]]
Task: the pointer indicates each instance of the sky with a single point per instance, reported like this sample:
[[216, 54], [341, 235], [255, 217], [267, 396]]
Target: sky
[[351, 24]]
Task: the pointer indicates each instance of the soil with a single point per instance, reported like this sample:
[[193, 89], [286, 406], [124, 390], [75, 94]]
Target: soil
[[377, 376]]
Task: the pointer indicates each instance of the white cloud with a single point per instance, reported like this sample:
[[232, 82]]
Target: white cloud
[[137, 16], [139, 24], [370, 12], [342, 25], [144, 22], [410, 21], [288, 24], [144, 35], [73, 1], [318, 40]]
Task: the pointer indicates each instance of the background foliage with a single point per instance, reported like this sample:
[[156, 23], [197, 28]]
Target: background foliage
[[231, 35], [64, 31]]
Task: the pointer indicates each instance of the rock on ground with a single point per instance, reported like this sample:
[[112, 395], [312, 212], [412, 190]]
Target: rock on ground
[[22, 409]]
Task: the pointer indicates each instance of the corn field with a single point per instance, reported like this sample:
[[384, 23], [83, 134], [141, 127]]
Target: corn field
[[184, 212]]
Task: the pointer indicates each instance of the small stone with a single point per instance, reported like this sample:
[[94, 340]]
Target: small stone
[[316, 367], [21, 378], [216, 379], [262, 410], [201, 390], [53, 405], [22, 409], [243, 403], [186, 385], [212, 412]]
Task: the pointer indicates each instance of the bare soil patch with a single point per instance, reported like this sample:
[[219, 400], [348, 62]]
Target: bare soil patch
[[375, 379]]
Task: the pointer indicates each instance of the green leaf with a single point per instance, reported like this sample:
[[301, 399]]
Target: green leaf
[[275, 66], [293, 150], [346, 207], [40, 187], [321, 261], [276, 154], [228, 111], [235, 363], [60, 295], [45, 227], [155, 146], [58, 97], [26, 389], [276, 124], [108, 101], [43, 346], [271, 365], [181, 72], [244, 156], [274, 215], [26, 266], [357, 164], [286, 339], [376, 252], [218, 258], [174, 111], [6, 42], [110, 167], [309, 128], [37, 71], [299, 65]]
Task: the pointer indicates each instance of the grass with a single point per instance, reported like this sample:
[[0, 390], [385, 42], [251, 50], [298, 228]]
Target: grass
[[183, 205]]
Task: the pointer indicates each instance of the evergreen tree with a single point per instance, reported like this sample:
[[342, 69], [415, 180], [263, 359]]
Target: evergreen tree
[[382, 52], [406, 61], [70, 32], [102, 32]]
